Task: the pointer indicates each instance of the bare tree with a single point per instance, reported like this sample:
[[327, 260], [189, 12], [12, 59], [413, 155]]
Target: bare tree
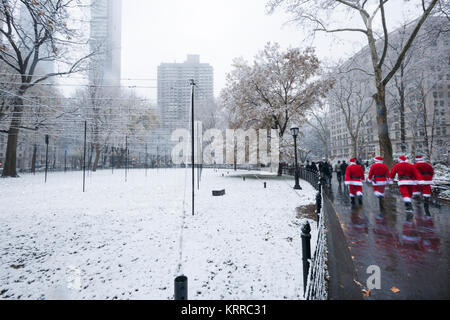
[[317, 118], [319, 13], [43, 35], [351, 98], [278, 86]]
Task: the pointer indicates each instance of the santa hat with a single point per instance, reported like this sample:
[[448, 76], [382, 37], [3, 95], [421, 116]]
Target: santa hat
[[419, 158], [378, 159], [402, 159], [352, 161]]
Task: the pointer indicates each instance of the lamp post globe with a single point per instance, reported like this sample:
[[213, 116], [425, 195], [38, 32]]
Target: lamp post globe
[[295, 131]]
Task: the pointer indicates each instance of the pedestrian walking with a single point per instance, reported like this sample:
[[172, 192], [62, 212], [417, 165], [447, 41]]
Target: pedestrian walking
[[408, 177], [338, 169], [329, 172], [354, 178], [379, 177], [426, 170]]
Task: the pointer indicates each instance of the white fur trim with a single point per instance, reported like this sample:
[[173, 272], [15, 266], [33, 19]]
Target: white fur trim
[[354, 183], [407, 199], [359, 193], [379, 183], [426, 195], [417, 193], [425, 182], [378, 194], [410, 238], [407, 183]]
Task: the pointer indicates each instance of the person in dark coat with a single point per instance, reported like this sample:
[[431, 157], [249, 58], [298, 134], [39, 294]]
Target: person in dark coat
[[344, 166], [313, 167]]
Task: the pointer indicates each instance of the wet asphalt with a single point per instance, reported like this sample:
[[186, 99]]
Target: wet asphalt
[[412, 253]]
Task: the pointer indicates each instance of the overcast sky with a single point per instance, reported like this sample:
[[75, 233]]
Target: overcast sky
[[217, 30]]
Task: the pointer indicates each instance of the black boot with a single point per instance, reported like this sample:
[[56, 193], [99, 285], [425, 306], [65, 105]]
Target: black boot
[[409, 207], [426, 206], [352, 200], [381, 203], [360, 200]]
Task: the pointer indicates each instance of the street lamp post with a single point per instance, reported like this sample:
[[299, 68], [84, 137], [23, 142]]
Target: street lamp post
[[294, 131]]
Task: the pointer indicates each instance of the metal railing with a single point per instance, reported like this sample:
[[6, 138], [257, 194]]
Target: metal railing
[[315, 268], [310, 176], [316, 287]]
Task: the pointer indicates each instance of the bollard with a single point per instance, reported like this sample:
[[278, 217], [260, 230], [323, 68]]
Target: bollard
[[306, 252], [181, 288], [243, 178], [265, 185]]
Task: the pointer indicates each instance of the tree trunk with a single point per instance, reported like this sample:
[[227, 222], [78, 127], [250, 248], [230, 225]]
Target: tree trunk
[[383, 129], [10, 168], [402, 117], [33, 159], [355, 147], [97, 156], [54, 159], [280, 169], [119, 159], [91, 151]]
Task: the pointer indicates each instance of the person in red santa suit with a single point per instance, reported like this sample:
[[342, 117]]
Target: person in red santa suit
[[354, 178], [379, 176], [408, 177], [424, 188]]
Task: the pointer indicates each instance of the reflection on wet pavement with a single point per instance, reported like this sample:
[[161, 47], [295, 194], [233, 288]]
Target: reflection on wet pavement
[[411, 251]]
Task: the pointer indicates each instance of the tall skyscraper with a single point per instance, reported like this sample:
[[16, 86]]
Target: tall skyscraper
[[106, 38], [174, 91]]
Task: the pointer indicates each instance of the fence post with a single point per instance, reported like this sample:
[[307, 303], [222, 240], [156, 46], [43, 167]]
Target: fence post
[[306, 252], [318, 206], [181, 288]]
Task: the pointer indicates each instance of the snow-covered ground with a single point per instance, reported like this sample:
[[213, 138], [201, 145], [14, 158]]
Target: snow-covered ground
[[122, 240]]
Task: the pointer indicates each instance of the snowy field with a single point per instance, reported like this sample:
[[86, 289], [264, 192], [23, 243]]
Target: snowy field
[[122, 240]]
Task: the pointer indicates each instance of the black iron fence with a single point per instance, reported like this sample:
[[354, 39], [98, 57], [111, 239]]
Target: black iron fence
[[315, 267], [316, 287], [310, 176]]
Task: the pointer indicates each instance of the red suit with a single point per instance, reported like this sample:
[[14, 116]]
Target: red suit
[[354, 178], [408, 177], [378, 175], [427, 172]]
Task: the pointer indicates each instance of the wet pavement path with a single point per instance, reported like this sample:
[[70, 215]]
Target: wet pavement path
[[413, 257]]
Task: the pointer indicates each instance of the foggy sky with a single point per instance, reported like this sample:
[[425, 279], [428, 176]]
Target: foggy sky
[[218, 30]]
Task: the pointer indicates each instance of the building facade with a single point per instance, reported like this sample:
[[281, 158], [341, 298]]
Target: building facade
[[425, 83], [106, 39], [174, 93]]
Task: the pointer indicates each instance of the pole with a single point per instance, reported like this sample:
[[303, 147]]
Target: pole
[[112, 160], [146, 157], [192, 144], [181, 288], [84, 157], [126, 159], [306, 252], [46, 157], [297, 184], [198, 157], [65, 160]]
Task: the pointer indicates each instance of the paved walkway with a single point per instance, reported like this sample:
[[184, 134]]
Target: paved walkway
[[414, 258]]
